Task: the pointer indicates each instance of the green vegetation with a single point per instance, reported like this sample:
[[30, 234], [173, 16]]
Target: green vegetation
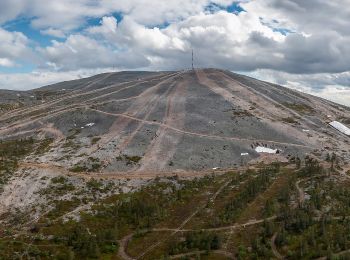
[[10, 106], [242, 113], [10, 153], [129, 159], [201, 240], [44, 146], [92, 165], [95, 139], [237, 214], [290, 120], [78, 168], [300, 108]]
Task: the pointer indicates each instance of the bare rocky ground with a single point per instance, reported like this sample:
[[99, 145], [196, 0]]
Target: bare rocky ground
[[124, 129]]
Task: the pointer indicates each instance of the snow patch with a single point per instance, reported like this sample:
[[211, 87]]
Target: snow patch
[[90, 124], [340, 127], [262, 149], [244, 154]]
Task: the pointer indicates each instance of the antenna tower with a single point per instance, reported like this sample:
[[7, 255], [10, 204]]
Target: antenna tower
[[192, 61]]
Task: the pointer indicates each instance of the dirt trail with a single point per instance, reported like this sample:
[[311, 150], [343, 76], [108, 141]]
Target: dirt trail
[[270, 101], [152, 105], [274, 248], [74, 94], [59, 170], [214, 87], [255, 98], [142, 107], [199, 134], [163, 147], [46, 106], [219, 252], [123, 244], [301, 192], [178, 229], [267, 109], [47, 115], [226, 228]]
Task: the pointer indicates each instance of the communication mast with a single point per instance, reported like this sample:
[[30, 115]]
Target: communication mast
[[192, 61]]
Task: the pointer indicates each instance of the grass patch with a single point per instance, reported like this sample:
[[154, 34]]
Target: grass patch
[[94, 140], [44, 146], [300, 108], [242, 113], [129, 159], [78, 168], [290, 120]]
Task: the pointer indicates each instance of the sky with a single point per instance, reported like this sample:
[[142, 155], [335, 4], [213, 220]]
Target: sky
[[304, 45]]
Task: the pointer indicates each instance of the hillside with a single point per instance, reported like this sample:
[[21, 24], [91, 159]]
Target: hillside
[[152, 154], [173, 121]]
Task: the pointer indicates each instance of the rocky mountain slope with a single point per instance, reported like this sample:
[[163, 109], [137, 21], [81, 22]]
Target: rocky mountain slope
[[169, 121], [130, 126]]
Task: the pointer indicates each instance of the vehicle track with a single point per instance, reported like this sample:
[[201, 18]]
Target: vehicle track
[[60, 170], [143, 107], [199, 134], [163, 146], [71, 96]]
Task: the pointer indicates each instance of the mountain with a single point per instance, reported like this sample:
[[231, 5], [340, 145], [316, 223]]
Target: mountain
[[172, 121], [204, 150]]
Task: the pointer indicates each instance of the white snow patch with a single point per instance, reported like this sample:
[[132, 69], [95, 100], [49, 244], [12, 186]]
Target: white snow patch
[[90, 124], [244, 154], [216, 168], [262, 149], [340, 127], [306, 130]]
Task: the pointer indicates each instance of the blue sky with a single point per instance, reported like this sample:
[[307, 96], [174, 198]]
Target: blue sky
[[45, 42]]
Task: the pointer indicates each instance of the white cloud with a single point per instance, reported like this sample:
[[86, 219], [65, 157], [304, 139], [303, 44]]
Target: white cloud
[[108, 25], [4, 62], [35, 79], [79, 52], [292, 41], [331, 86], [67, 15], [14, 48], [10, 9]]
